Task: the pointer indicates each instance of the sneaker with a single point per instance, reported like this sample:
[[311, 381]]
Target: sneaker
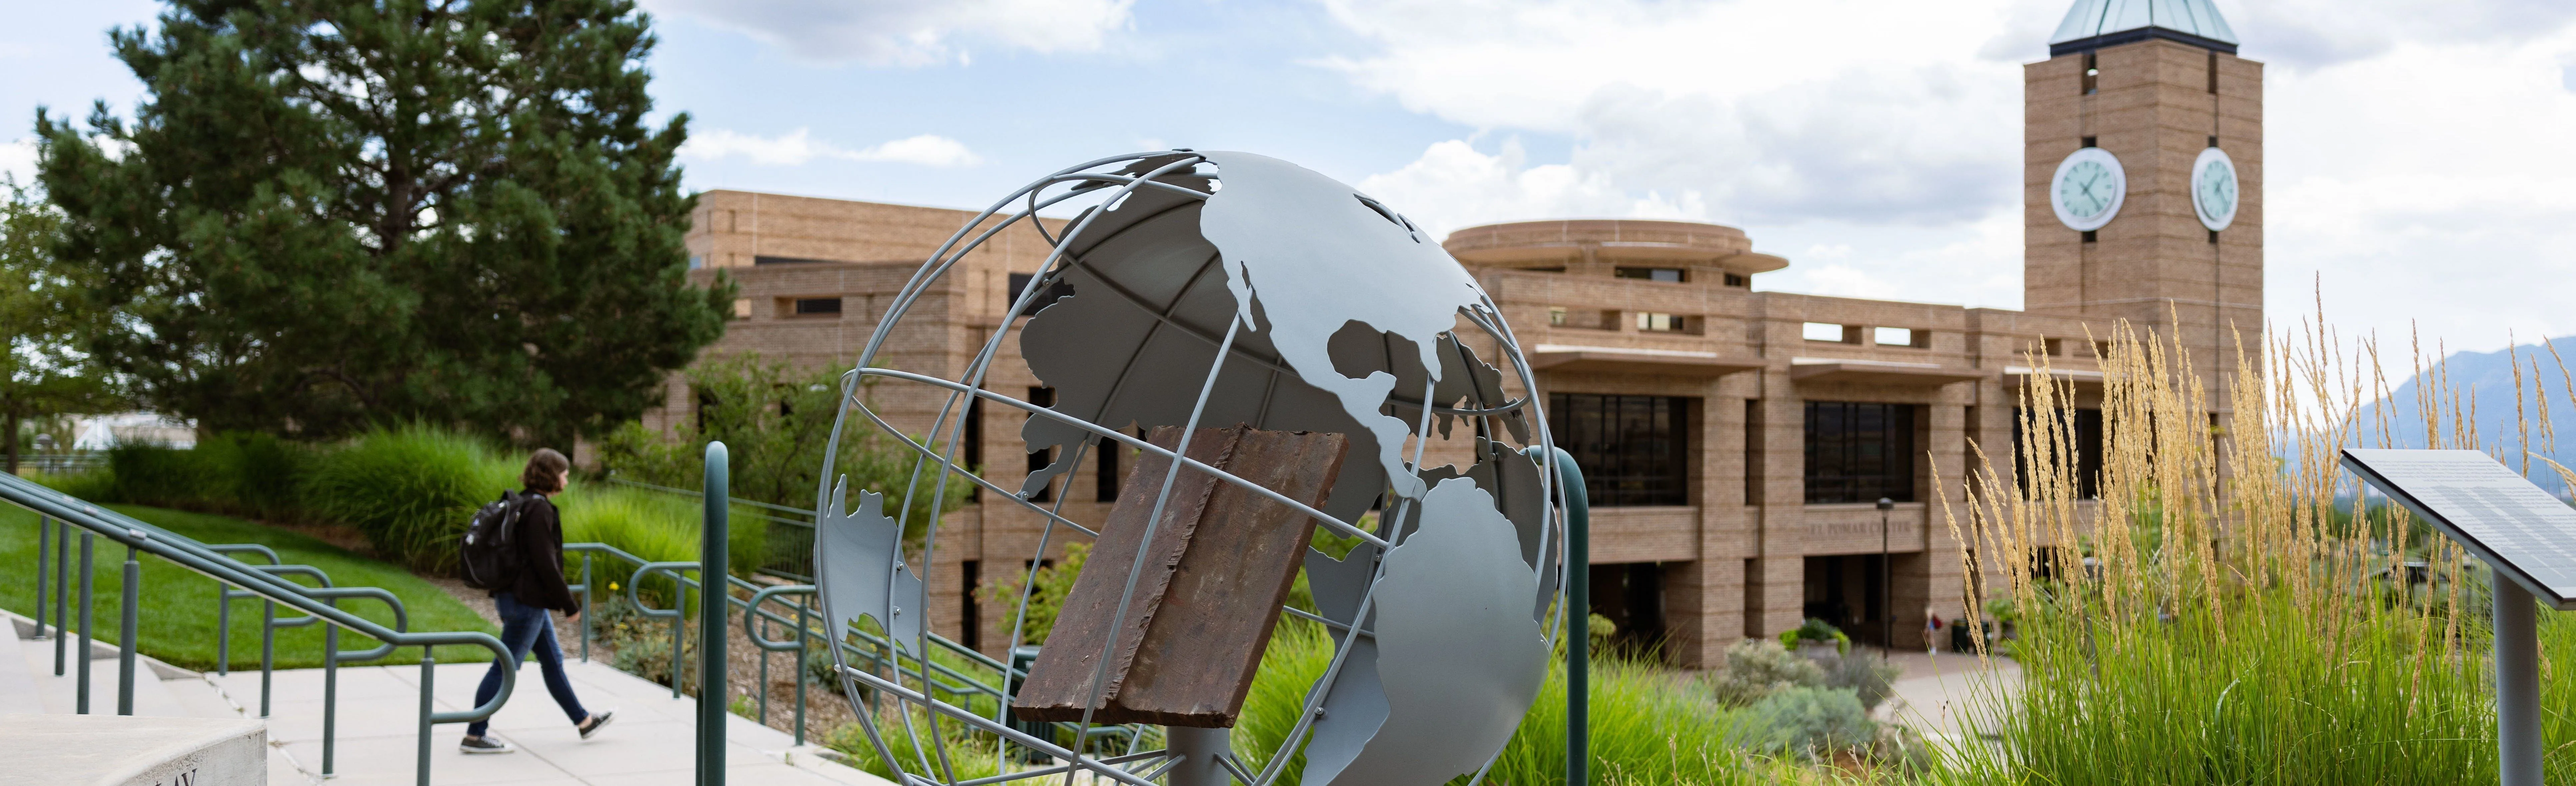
[[484, 745], [597, 719]]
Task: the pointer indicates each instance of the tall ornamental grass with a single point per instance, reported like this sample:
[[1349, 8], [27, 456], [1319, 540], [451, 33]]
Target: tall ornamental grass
[[2229, 611], [410, 490], [1649, 725]]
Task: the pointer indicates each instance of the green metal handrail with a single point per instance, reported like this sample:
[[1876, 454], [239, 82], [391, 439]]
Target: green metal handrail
[[862, 645], [317, 603]]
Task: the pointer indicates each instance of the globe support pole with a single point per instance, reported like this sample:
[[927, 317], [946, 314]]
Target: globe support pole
[[1199, 749], [712, 597]]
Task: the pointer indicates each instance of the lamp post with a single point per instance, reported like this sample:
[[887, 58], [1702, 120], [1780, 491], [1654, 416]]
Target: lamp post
[[1886, 583]]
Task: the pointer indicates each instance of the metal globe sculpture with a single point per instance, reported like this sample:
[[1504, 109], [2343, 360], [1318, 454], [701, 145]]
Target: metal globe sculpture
[[1285, 355]]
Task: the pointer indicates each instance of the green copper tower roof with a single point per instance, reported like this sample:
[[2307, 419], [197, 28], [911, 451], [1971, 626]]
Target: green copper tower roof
[[2093, 24]]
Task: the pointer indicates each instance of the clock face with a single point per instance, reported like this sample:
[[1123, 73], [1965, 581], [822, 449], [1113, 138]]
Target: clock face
[[2088, 189], [2213, 189]]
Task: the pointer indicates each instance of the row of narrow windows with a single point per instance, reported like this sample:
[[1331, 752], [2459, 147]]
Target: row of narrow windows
[[2093, 73]]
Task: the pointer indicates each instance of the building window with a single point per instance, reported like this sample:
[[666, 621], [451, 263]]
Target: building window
[[1106, 466], [1827, 331], [1630, 448], [1753, 451], [2083, 429], [1556, 317], [1859, 452], [1059, 290], [2092, 75], [1739, 280], [1660, 323], [1901, 337], [2088, 142], [818, 307], [1040, 459], [970, 624], [973, 450], [2088, 236], [696, 261], [1670, 275]]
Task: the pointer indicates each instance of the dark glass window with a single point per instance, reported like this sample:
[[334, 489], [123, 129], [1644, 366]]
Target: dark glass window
[[970, 624], [2084, 426], [1110, 451], [818, 305], [973, 450], [1859, 452], [1629, 447], [1039, 460], [1020, 283], [1665, 274]]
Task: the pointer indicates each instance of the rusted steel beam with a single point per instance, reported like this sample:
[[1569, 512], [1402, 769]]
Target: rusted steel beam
[[1221, 562]]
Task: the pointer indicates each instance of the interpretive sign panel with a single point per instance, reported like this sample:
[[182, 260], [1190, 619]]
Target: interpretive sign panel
[[2526, 534]]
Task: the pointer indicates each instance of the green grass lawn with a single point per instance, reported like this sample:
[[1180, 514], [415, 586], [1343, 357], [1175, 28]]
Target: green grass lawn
[[178, 605]]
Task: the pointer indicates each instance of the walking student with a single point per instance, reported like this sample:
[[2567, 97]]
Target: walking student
[[537, 535]]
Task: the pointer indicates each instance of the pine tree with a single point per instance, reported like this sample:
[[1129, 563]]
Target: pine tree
[[331, 214]]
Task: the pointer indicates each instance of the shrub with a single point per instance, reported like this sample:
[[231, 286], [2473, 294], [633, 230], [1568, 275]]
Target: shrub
[[656, 526], [1805, 722], [968, 755], [96, 485], [409, 490], [1757, 668], [775, 421], [1054, 582], [1816, 631], [1870, 678], [252, 475]]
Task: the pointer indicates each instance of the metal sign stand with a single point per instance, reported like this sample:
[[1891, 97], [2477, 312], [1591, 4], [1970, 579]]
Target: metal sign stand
[[2525, 535]]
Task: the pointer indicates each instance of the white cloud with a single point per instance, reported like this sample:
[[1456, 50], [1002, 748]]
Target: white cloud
[[2413, 150], [910, 32], [1767, 111], [798, 147], [1454, 186], [18, 160]]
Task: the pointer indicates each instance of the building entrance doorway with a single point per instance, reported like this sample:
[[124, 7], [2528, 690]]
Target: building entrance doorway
[[1845, 591], [1631, 596]]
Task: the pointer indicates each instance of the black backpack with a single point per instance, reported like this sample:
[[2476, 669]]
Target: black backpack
[[489, 552]]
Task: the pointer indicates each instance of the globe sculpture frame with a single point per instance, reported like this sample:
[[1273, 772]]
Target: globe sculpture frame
[[1314, 308]]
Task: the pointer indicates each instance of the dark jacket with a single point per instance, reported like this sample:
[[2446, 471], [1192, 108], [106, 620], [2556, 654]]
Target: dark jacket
[[539, 536]]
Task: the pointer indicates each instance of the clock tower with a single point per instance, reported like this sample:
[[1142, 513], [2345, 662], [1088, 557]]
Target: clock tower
[[2142, 178]]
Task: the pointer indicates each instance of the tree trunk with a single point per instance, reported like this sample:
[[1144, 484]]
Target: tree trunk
[[11, 440]]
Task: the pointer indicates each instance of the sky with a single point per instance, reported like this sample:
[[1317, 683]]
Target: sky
[[2420, 176]]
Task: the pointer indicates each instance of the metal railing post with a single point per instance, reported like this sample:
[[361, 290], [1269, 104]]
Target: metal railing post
[[762, 687], [80, 697], [800, 673], [679, 622], [1578, 617], [428, 675], [713, 602], [585, 607], [62, 593], [330, 691], [267, 652], [223, 629], [125, 631], [44, 549]]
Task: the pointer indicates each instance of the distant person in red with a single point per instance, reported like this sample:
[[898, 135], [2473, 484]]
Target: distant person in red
[[538, 588]]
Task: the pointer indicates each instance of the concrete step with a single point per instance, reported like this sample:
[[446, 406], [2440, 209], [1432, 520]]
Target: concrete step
[[60, 695], [18, 692], [107, 749]]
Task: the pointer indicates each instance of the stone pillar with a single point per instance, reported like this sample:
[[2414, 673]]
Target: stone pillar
[[1776, 585]]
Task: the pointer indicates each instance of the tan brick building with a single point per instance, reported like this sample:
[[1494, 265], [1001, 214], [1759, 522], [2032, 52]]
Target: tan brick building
[[1736, 441]]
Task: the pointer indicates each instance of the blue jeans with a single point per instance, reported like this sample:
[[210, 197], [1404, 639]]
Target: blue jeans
[[524, 628]]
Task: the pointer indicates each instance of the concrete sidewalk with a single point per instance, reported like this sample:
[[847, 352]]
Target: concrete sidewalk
[[651, 742]]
